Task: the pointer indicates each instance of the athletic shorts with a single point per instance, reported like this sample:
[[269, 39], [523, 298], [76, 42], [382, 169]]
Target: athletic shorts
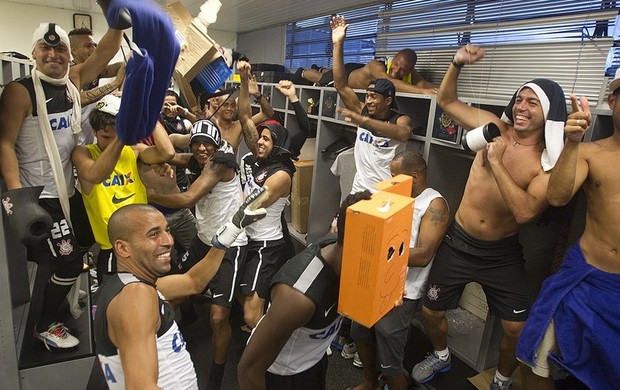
[[60, 246], [264, 259], [314, 378], [496, 265], [223, 284], [389, 335], [327, 78], [79, 219]]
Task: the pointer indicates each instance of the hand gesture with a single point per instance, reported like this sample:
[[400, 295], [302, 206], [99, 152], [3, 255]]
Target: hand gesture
[[339, 28], [579, 119], [287, 88], [253, 86], [245, 70], [469, 54], [495, 150], [351, 116]]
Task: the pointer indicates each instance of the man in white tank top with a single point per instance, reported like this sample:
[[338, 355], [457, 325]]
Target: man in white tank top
[[382, 348]]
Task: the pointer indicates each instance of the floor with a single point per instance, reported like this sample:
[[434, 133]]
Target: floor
[[341, 372]]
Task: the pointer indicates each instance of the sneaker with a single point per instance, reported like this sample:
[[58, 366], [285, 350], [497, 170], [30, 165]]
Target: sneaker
[[427, 368], [503, 386], [349, 350], [329, 351], [57, 336], [339, 342], [356, 361]]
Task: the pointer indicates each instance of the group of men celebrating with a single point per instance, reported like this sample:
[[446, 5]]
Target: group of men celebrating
[[511, 181]]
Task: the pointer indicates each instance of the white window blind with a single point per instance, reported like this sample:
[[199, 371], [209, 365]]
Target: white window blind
[[564, 40], [309, 41]]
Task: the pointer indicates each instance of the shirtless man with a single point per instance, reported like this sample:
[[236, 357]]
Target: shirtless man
[[506, 187], [581, 335], [400, 71]]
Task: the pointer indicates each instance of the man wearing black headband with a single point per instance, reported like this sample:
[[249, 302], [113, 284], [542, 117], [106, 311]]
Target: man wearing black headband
[[506, 187], [40, 115]]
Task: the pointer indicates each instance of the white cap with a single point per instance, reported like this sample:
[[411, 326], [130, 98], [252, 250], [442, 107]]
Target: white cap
[[109, 104]]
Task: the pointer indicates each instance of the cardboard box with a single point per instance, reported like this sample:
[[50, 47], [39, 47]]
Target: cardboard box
[[400, 184], [375, 254], [197, 48], [300, 195]]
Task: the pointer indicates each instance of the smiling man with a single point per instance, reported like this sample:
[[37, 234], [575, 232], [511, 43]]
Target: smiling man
[[506, 187], [381, 131], [138, 342], [40, 116]]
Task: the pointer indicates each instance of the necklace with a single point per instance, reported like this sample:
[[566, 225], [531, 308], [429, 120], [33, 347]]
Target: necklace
[[516, 143]]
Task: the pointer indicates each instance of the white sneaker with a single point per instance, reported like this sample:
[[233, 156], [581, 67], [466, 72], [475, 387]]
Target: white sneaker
[[348, 350], [57, 336], [329, 351], [357, 362]]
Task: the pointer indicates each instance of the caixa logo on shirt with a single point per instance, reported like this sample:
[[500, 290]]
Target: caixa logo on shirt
[[60, 121], [118, 180], [369, 139], [329, 332]]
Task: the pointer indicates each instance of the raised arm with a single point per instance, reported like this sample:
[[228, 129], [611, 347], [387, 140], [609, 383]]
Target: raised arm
[[401, 130], [289, 310], [133, 320], [341, 82], [93, 95], [91, 172], [432, 230], [266, 111], [467, 116], [243, 108], [162, 151], [15, 106], [571, 170], [298, 135], [84, 73]]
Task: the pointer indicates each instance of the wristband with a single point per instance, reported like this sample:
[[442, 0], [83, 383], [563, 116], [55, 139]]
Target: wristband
[[456, 63]]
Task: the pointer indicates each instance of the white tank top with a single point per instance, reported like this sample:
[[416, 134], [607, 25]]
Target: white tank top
[[373, 155], [215, 209], [416, 276]]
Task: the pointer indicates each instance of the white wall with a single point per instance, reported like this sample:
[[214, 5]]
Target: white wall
[[265, 46], [19, 22]]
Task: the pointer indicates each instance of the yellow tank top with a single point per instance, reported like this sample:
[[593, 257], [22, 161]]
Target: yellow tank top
[[406, 79], [121, 188]]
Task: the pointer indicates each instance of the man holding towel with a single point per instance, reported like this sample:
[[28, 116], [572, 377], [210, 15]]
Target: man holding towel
[[40, 116], [506, 187]]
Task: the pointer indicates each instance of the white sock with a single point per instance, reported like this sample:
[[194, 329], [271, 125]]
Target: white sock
[[443, 354], [500, 379]]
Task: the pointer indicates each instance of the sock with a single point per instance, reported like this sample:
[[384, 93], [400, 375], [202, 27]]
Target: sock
[[500, 379], [443, 354], [216, 374], [54, 294]]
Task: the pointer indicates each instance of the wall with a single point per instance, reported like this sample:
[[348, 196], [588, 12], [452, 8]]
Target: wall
[[264, 46], [20, 20]]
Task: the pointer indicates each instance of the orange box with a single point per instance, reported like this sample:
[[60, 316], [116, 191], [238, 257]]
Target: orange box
[[375, 255], [399, 184]]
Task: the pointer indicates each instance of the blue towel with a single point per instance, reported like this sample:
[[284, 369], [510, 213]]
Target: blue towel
[[149, 72], [585, 304]]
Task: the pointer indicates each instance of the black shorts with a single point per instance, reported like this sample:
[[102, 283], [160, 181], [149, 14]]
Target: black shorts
[[314, 378], [496, 265], [264, 259], [223, 284], [389, 335], [60, 245], [327, 78]]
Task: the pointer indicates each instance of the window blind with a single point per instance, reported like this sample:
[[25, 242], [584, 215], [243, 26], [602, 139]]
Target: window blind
[[309, 41], [564, 40]]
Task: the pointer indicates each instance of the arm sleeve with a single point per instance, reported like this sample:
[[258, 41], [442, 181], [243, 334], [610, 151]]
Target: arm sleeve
[[298, 137]]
